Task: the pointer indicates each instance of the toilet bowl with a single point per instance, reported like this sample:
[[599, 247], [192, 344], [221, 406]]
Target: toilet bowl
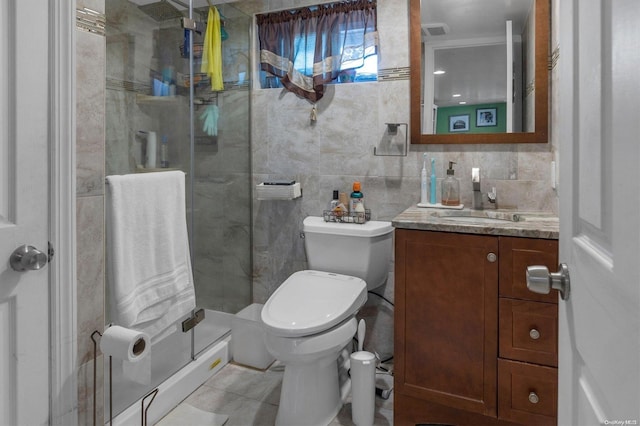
[[308, 320]]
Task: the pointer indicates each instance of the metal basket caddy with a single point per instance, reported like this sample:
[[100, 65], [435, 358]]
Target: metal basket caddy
[[347, 217]]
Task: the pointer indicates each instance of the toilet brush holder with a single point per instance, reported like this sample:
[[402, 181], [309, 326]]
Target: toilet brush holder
[[363, 390]]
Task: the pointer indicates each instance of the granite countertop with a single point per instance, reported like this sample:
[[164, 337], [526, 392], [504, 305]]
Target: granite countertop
[[487, 222]]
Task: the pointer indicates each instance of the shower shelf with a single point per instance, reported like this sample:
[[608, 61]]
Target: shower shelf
[[197, 51], [156, 100]]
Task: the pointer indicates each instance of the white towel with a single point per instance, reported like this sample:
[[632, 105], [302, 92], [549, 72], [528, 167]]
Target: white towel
[[149, 270]]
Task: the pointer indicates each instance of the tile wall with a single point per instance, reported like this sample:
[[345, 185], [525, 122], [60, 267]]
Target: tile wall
[[90, 166]]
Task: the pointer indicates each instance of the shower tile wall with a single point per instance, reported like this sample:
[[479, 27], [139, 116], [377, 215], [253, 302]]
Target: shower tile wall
[[338, 150], [90, 95]]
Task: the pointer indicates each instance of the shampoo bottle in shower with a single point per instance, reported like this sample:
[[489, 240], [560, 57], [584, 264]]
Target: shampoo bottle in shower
[[164, 152], [450, 188], [151, 150]]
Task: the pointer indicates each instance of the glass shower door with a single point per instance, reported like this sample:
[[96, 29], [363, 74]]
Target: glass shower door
[[155, 91], [147, 130], [221, 182]]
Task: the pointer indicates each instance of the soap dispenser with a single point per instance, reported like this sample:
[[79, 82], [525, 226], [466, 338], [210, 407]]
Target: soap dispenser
[[450, 188]]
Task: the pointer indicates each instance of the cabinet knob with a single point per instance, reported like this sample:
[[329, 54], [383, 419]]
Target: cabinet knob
[[491, 257], [534, 334], [533, 398]]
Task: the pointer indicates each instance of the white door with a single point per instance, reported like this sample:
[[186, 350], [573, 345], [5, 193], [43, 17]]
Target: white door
[[24, 296], [599, 123]]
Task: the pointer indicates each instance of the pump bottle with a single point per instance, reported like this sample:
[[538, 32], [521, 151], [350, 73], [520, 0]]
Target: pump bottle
[[450, 188]]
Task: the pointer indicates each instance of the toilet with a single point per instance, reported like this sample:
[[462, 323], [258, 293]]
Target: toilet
[[310, 318]]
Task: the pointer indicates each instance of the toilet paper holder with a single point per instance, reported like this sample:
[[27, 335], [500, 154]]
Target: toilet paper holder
[[143, 409]]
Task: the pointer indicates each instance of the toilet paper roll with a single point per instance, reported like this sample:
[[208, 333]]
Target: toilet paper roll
[[124, 343]]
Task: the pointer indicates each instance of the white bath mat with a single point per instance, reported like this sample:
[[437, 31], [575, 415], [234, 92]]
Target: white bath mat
[[185, 414]]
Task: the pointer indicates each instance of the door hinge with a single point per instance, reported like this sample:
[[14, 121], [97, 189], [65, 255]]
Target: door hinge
[[189, 323], [188, 24]]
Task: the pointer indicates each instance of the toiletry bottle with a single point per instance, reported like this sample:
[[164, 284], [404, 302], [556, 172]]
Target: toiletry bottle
[[151, 150], [423, 180], [433, 181], [450, 188], [164, 152], [335, 201], [344, 200], [336, 208], [360, 214], [356, 197]]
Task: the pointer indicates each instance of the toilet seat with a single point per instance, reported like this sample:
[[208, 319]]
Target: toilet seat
[[309, 302]]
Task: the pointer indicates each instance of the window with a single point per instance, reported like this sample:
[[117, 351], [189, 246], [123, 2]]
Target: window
[[304, 49]]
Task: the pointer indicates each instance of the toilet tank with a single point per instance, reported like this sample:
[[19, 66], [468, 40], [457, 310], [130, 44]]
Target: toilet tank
[[359, 250]]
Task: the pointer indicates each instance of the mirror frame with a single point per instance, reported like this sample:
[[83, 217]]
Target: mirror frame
[[542, 48]]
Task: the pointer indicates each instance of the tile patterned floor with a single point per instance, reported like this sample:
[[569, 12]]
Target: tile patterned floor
[[250, 397]]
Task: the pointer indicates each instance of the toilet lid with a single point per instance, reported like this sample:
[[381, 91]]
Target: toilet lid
[[309, 302]]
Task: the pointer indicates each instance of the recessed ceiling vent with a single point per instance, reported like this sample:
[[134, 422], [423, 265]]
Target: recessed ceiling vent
[[435, 29]]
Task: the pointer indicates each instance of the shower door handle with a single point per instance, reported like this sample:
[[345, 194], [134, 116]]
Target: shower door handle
[[27, 258]]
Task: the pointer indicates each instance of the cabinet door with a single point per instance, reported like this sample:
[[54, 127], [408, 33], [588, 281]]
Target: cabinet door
[[446, 318]]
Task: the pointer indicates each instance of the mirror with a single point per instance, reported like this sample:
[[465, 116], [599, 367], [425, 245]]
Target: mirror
[[468, 39]]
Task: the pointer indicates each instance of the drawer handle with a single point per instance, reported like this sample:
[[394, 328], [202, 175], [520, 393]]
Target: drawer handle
[[534, 334], [533, 398]]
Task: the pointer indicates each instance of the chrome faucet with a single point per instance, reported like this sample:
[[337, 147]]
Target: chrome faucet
[[477, 194], [492, 195]]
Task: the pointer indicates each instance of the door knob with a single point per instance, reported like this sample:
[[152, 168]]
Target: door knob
[[27, 258], [540, 280]]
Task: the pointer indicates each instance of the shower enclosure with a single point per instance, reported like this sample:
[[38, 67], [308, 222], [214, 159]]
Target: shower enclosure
[[155, 90]]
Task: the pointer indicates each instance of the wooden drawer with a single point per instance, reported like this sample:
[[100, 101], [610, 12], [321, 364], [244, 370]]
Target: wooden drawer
[[528, 331], [527, 393], [518, 253]]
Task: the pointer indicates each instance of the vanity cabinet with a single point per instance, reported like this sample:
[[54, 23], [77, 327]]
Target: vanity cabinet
[[472, 344]]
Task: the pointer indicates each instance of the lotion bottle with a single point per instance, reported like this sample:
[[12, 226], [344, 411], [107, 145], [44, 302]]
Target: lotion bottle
[[423, 180]]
